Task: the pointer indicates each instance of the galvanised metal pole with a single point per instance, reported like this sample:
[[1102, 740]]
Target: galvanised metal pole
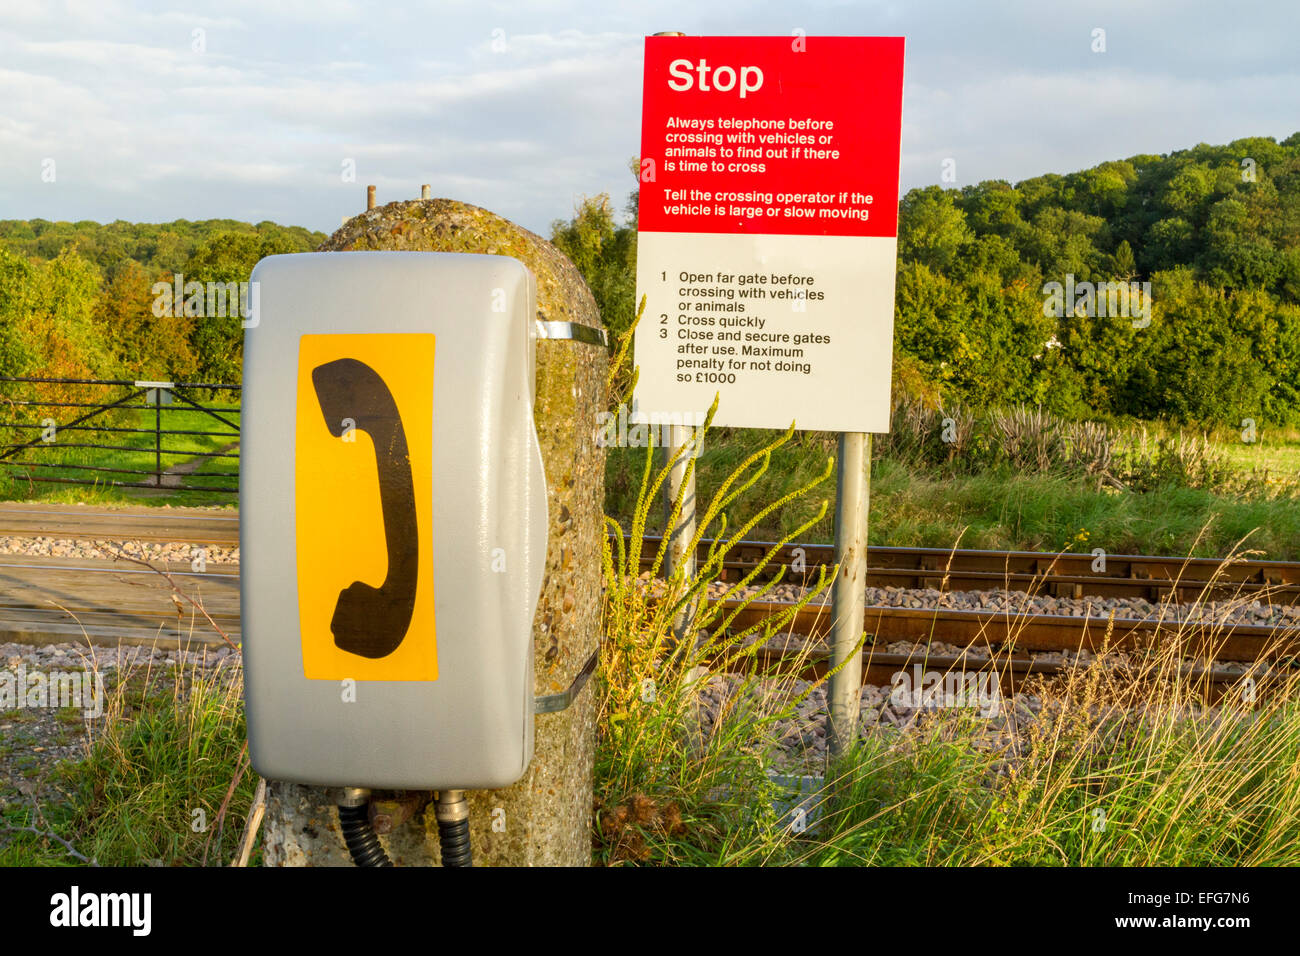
[[680, 554], [849, 592]]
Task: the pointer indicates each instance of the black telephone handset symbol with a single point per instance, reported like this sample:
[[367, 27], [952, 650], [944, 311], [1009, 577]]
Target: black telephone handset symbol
[[370, 621]]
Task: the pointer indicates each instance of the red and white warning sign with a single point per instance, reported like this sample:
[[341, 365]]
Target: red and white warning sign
[[768, 230]]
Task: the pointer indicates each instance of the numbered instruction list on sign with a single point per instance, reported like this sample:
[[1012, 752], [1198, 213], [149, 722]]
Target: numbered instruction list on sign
[[767, 232]]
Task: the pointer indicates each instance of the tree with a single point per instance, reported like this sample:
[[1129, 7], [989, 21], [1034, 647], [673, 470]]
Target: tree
[[17, 302], [217, 342], [1123, 265], [1204, 354], [46, 324], [932, 230], [143, 345], [605, 254]]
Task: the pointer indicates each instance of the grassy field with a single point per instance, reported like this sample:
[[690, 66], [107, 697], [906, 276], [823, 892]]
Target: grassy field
[[1109, 771], [1275, 451], [913, 505]]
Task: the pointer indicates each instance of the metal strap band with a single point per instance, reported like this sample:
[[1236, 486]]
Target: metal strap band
[[587, 334], [553, 703]]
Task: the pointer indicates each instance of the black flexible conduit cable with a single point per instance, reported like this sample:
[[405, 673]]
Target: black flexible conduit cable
[[359, 834], [452, 813], [453, 839]]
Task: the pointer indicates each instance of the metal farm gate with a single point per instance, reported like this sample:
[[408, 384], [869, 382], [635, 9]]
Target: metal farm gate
[[112, 433]]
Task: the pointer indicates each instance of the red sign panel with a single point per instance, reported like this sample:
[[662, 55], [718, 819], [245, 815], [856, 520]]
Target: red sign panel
[[771, 135]]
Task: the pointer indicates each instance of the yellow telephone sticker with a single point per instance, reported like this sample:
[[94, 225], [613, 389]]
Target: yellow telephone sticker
[[363, 475]]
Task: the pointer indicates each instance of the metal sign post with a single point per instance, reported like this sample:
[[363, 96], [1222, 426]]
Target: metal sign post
[[680, 554], [848, 597]]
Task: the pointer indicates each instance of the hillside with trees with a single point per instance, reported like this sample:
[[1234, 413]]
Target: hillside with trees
[[1215, 230], [76, 299]]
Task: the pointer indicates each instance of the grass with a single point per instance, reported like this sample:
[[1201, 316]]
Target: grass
[[914, 506], [1131, 774], [660, 773], [793, 463], [1042, 513], [1116, 769], [155, 776], [1276, 452]]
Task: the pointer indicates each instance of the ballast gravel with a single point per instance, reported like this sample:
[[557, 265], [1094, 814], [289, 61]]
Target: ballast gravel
[[100, 549]]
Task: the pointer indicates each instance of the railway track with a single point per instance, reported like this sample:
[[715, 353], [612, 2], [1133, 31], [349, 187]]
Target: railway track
[[138, 523], [1006, 642], [1012, 672], [47, 599], [1059, 575], [55, 600]]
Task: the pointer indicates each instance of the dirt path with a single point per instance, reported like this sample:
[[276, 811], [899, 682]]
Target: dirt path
[[171, 477]]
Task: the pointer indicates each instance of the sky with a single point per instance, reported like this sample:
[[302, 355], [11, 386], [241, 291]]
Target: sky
[[152, 112]]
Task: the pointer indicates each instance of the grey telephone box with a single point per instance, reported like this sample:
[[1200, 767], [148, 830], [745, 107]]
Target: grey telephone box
[[392, 519]]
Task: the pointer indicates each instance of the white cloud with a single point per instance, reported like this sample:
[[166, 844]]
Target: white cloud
[[1024, 124], [257, 126]]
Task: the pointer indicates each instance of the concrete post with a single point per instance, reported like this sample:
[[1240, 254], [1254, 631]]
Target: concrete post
[[545, 818]]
